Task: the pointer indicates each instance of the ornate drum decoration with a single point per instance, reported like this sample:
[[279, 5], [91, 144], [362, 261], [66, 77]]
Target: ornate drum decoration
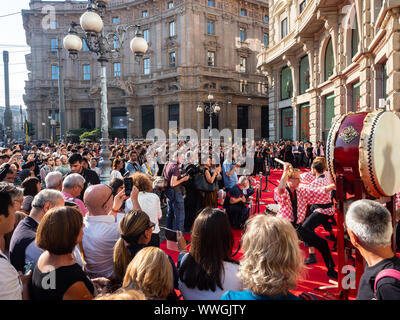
[[366, 145]]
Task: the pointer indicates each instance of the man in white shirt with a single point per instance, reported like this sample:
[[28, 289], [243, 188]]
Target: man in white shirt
[[13, 286], [101, 231]]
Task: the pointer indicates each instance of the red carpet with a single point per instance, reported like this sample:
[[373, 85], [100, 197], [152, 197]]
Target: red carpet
[[314, 275]]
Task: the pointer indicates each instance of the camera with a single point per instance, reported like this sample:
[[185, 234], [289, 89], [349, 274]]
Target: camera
[[191, 170]]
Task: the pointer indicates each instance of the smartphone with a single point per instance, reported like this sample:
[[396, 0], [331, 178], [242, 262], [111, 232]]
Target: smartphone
[[170, 235], [128, 184], [28, 267]]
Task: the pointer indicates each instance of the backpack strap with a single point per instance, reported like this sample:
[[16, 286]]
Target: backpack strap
[[392, 273]]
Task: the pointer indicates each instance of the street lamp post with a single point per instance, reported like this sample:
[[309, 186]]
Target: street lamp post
[[102, 44], [210, 109]]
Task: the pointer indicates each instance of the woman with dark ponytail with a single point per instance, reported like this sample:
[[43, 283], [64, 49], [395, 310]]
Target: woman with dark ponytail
[[135, 229]]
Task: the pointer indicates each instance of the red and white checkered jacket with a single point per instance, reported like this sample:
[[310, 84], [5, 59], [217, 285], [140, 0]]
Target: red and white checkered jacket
[[397, 205], [320, 182], [305, 195], [307, 177]]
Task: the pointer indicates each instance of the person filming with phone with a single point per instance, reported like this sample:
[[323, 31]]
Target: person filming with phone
[[175, 201], [148, 201]]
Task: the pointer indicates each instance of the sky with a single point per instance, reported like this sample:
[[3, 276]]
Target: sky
[[13, 40]]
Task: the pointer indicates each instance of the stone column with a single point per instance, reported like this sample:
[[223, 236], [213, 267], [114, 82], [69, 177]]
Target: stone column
[[377, 88], [341, 97], [274, 100], [182, 109], [393, 62], [157, 115], [76, 119], [164, 118], [308, 47], [38, 124], [314, 115], [366, 102]]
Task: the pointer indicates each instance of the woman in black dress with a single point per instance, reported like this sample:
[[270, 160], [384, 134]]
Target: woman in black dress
[[57, 276]]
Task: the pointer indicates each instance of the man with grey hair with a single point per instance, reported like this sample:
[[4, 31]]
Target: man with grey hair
[[71, 189], [23, 248], [54, 180], [369, 225]]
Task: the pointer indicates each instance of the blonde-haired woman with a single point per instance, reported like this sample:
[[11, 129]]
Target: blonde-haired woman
[[272, 260], [151, 273]]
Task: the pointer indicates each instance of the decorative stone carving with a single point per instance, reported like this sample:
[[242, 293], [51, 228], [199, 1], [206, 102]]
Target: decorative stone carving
[[94, 92]]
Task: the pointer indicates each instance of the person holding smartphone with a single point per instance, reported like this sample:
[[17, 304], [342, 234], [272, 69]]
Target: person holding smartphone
[[149, 202], [175, 201]]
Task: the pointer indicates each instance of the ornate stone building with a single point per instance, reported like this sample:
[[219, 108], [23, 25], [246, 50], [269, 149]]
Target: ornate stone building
[[196, 47], [327, 58]]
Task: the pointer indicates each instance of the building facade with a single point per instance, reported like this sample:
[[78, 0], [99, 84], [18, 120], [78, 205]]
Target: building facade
[[326, 58], [19, 115], [196, 47]]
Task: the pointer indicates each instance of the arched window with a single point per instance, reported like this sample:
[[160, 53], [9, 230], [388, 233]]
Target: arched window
[[355, 38], [286, 83], [329, 60], [304, 75]]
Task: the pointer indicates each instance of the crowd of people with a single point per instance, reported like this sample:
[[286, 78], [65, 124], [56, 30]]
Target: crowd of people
[[66, 236]]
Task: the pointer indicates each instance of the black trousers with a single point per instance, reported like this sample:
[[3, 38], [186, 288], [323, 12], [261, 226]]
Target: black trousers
[[317, 242], [237, 215], [309, 162], [315, 219]]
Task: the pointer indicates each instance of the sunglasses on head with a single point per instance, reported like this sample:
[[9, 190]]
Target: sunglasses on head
[[108, 196]]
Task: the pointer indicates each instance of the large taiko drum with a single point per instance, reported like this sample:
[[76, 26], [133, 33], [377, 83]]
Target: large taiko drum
[[366, 146]]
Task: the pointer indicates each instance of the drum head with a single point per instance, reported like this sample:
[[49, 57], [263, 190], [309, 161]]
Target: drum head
[[330, 145], [380, 153]]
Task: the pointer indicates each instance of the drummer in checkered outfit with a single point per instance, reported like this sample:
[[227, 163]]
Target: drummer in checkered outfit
[[322, 210], [293, 200]]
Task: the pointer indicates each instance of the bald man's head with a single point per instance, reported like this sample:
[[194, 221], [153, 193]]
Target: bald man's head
[[98, 199]]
